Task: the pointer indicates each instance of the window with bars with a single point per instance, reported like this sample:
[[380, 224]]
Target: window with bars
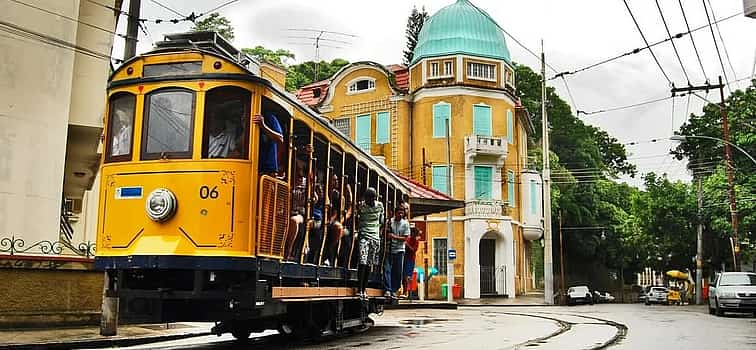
[[439, 255], [434, 70], [481, 71], [344, 125], [448, 70]]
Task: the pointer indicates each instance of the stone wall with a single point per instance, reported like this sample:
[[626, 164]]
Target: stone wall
[[44, 291]]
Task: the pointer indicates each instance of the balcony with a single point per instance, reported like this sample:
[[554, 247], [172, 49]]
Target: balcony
[[476, 145], [485, 208]]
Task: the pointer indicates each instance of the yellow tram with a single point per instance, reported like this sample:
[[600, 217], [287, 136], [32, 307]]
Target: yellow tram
[[195, 221]]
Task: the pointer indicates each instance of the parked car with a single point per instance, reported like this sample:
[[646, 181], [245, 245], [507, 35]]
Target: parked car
[[733, 291], [656, 295], [602, 297], [643, 294], [579, 295]]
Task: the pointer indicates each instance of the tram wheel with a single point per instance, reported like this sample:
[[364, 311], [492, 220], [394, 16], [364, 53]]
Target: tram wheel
[[241, 333]]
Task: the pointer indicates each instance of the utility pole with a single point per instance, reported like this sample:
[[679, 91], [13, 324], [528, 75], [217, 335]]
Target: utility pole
[[132, 29], [425, 243], [548, 264], [561, 255], [449, 232], [730, 180], [699, 244]]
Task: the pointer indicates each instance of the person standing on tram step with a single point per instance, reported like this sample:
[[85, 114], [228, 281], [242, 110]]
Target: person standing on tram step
[[370, 219], [271, 135], [410, 249], [398, 234]]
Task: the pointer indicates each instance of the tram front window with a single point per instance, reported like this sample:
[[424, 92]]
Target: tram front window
[[121, 127], [168, 124], [226, 123]]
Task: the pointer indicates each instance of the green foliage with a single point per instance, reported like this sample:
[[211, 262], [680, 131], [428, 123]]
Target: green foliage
[[217, 23], [308, 72], [415, 23], [265, 54]]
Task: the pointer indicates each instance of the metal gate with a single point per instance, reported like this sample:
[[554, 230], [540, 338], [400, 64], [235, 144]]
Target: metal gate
[[488, 280]]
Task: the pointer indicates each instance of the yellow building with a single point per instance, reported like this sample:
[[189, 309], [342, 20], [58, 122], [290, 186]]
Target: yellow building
[[461, 72]]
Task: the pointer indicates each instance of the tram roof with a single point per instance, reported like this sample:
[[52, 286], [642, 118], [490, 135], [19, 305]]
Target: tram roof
[[425, 200]]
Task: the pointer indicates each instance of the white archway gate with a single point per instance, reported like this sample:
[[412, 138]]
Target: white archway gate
[[492, 272]]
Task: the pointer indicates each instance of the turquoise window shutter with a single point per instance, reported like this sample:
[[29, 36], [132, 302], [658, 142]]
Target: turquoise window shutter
[[510, 127], [533, 197], [511, 188], [482, 120], [362, 134], [441, 112], [382, 128], [439, 179], [483, 175]]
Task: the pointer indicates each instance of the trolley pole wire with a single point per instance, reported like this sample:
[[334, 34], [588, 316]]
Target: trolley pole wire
[[646, 41]]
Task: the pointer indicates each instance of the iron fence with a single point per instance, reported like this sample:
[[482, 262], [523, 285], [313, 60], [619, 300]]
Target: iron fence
[[14, 245]]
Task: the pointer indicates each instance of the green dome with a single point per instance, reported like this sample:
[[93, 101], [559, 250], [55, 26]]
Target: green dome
[[461, 28]]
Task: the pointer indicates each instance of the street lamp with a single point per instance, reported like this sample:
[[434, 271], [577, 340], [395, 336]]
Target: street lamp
[[683, 138]]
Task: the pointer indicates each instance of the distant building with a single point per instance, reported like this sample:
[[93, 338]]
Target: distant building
[[461, 72]]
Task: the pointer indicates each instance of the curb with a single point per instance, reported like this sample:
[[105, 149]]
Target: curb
[[408, 306], [91, 343], [505, 305]]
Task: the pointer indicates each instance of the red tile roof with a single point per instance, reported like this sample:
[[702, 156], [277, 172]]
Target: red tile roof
[[402, 75], [306, 94]]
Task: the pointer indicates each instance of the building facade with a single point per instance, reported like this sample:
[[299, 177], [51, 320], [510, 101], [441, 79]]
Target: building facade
[[461, 74]]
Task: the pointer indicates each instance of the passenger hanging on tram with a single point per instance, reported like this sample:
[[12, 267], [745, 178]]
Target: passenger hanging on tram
[[346, 237], [271, 136], [315, 236], [335, 227], [295, 236], [370, 219]]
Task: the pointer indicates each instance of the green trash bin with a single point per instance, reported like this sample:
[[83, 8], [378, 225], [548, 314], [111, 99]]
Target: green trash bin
[[444, 290]]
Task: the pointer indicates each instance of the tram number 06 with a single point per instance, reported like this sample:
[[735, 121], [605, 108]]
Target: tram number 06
[[206, 192]]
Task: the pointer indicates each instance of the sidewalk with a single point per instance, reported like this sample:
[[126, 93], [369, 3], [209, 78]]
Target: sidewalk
[[84, 337]]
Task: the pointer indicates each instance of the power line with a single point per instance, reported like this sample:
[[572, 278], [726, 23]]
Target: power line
[[721, 39], [646, 41], [49, 40], [168, 8], [716, 46], [640, 49], [71, 19], [625, 107], [666, 27], [700, 63], [216, 8]]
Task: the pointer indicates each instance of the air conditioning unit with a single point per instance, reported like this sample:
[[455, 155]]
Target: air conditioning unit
[[749, 8]]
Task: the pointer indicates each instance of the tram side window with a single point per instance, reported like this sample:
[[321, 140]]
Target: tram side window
[[169, 120], [226, 130], [121, 127]]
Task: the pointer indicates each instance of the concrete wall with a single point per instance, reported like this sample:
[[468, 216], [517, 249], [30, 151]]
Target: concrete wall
[[56, 291]]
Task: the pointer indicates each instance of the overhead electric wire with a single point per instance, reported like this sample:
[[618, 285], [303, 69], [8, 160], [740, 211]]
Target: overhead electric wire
[[216, 8], [700, 63], [167, 8], [625, 107], [49, 40], [640, 49], [721, 39], [646, 41], [674, 47], [72, 19], [716, 46]]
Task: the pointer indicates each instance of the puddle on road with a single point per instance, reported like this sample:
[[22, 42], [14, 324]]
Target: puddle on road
[[424, 321]]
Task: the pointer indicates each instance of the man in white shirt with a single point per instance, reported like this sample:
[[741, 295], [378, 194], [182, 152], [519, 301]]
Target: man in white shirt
[[222, 141], [122, 135]]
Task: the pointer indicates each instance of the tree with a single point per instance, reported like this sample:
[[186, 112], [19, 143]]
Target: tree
[[265, 54], [217, 23], [302, 74], [415, 23]]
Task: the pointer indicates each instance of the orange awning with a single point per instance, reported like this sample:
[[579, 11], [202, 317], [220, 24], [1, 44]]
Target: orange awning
[[425, 200]]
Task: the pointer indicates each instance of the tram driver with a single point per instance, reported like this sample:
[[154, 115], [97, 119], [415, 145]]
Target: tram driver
[[223, 140]]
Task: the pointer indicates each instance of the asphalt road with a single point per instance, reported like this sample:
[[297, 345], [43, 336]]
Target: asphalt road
[[615, 326]]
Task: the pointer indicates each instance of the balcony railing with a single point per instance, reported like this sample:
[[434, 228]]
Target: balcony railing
[[486, 145], [485, 208]]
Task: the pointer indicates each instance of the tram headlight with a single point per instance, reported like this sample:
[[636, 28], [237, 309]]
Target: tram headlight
[[160, 205]]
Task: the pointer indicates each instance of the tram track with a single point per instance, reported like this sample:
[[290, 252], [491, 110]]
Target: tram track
[[570, 329]]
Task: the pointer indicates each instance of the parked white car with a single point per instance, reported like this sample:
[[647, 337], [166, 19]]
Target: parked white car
[[579, 295], [733, 291], [657, 295]]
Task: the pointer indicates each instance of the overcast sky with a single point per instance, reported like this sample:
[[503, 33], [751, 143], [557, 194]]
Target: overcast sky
[[575, 34]]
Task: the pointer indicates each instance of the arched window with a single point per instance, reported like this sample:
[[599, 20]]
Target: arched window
[[362, 84], [120, 127]]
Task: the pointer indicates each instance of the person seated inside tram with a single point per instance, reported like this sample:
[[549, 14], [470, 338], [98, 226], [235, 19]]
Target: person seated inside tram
[[271, 136], [315, 237], [346, 236], [335, 228], [223, 136], [295, 236]]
